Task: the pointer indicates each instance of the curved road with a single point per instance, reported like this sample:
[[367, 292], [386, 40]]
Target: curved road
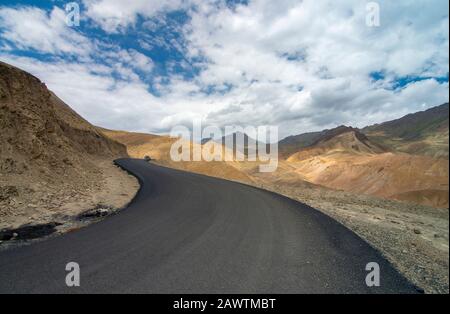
[[188, 233]]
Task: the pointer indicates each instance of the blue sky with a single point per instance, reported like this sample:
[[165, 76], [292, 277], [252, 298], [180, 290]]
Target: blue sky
[[302, 65]]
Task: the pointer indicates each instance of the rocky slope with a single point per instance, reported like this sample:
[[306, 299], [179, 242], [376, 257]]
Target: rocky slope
[[49, 156], [345, 159], [292, 144], [421, 133], [341, 139]]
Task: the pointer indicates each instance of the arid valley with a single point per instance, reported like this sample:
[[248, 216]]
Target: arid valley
[[396, 200], [225, 154]]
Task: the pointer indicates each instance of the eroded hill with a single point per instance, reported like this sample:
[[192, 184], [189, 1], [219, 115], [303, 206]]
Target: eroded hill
[[422, 133], [158, 148], [52, 161], [345, 159]]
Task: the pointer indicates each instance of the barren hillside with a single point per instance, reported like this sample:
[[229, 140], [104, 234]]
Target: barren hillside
[[347, 160], [421, 133], [52, 161], [158, 148], [340, 140]]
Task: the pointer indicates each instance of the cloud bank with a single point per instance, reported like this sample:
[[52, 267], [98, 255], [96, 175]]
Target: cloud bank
[[302, 65]]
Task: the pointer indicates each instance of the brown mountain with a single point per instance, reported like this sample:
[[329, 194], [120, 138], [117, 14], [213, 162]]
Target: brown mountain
[[342, 139], [241, 142], [47, 151], [421, 133], [292, 144], [158, 148], [345, 159]]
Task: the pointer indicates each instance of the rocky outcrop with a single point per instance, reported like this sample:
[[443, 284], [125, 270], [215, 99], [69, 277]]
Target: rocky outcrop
[[46, 149]]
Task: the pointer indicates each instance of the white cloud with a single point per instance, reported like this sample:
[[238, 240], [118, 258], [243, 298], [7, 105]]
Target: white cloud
[[116, 15], [329, 83], [302, 65], [92, 91], [32, 28]]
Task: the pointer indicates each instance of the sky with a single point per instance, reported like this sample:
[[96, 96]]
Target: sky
[[151, 65]]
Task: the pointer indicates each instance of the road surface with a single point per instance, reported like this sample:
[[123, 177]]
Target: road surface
[[188, 233]]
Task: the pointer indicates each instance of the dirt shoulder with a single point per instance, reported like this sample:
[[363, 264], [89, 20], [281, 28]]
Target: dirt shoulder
[[109, 190]]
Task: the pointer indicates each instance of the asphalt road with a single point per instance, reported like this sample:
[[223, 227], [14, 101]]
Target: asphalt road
[[188, 233]]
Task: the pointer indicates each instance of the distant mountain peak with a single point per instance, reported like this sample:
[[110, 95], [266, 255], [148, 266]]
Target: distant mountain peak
[[421, 133], [329, 134]]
